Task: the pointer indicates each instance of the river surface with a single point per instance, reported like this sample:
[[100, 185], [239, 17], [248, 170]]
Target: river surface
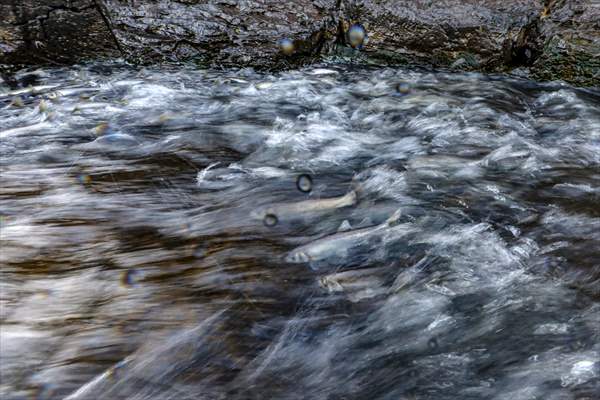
[[337, 232]]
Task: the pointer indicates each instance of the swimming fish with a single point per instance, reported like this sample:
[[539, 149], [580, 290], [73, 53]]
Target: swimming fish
[[338, 244], [29, 89], [286, 210], [24, 130]]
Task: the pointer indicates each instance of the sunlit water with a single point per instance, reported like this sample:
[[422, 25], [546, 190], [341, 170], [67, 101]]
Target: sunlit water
[[330, 233]]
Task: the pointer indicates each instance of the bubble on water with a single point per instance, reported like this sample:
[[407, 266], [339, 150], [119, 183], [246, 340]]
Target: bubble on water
[[127, 278], [304, 183], [356, 35], [84, 179], [270, 220], [286, 46], [432, 344], [403, 88]]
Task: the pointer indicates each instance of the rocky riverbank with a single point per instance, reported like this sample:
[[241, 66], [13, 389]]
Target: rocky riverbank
[[551, 39]]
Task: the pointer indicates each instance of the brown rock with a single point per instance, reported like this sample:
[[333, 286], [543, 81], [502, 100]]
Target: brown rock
[[222, 32], [569, 42], [467, 34], [53, 32]]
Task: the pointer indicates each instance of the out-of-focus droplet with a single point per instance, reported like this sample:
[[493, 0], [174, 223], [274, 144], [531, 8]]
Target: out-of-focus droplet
[[127, 278], [286, 46], [432, 344], [84, 179], [44, 391], [304, 183], [101, 129], [403, 88], [356, 35], [199, 251], [270, 220]]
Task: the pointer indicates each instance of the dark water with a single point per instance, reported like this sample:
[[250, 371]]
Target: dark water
[[155, 243]]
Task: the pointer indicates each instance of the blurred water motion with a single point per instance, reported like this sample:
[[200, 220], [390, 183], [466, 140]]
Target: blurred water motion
[[147, 215]]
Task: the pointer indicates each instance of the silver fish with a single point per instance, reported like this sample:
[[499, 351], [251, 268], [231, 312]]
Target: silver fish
[[30, 89], [285, 210], [337, 245], [24, 130]]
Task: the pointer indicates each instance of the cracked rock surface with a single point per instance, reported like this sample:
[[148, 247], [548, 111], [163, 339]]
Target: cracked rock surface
[[466, 34], [224, 32], [53, 32], [552, 39], [569, 40]]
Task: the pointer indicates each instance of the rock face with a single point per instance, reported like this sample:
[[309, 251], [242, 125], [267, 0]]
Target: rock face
[[554, 39], [569, 42], [53, 32], [222, 32], [467, 34]]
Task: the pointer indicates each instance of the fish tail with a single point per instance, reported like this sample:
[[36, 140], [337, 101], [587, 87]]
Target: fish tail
[[394, 218]]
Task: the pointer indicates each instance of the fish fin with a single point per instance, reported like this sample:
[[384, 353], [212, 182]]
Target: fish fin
[[345, 226], [394, 218]]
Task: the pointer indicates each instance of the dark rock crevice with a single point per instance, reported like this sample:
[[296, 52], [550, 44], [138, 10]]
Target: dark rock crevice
[[108, 24]]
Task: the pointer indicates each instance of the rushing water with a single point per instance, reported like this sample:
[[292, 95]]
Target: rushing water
[[332, 233]]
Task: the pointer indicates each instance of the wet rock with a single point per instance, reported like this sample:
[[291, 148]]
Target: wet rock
[[464, 34], [546, 39], [236, 33], [569, 42], [34, 32]]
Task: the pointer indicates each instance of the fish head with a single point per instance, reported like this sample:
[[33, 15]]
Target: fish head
[[297, 257]]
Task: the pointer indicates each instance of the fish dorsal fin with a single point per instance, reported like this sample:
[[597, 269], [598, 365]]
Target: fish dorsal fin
[[394, 218], [345, 226]]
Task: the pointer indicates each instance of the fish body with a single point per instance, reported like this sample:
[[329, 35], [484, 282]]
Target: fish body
[[30, 89], [337, 245], [286, 210], [24, 130]]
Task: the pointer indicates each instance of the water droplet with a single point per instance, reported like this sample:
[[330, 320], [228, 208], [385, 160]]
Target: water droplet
[[270, 220], [44, 391], [304, 183], [102, 129], [432, 344], [403, 88], [84, 179], [127, 278], [286, 46], [356, 35]]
